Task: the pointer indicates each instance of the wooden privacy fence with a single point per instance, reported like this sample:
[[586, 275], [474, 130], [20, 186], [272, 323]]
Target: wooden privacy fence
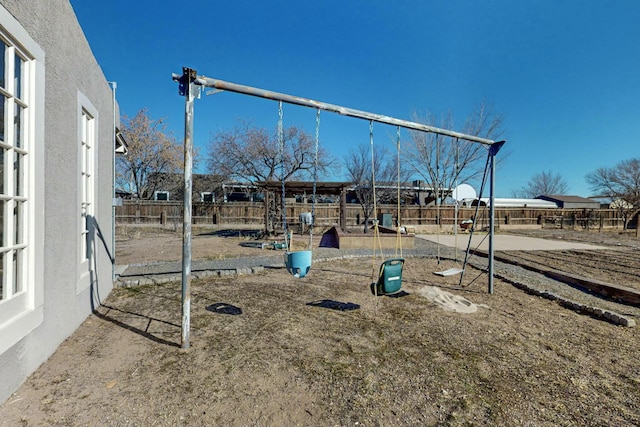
[[252, 214]]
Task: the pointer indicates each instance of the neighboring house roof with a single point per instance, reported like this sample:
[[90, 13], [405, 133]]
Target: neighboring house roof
[[568, 201], [512, 203], [173, 183], [565, 198], [306, 187]]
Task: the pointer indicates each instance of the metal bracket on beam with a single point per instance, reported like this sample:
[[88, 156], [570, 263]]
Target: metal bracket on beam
[[188, 82]]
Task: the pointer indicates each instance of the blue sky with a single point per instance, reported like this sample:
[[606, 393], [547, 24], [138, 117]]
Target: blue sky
[[565, 74]]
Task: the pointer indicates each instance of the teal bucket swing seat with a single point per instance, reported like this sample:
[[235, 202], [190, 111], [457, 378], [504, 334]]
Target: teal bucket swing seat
[[298, 263], [389, 278]]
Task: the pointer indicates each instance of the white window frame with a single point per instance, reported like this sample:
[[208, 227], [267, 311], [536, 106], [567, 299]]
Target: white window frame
[[155, 195], [22, 312], [207, 193], [87, 130]]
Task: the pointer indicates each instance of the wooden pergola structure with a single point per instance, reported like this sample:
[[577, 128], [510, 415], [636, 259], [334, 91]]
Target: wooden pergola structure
[[296, 188]]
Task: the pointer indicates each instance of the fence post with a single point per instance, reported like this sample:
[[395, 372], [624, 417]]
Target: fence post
[[267, 197], [343, 209]]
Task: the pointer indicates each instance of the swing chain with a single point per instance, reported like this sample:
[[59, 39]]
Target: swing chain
[[315, 172], [282, 171]]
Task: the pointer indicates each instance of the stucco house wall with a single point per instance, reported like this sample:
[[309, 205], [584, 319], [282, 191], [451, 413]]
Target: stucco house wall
[[67, 266]]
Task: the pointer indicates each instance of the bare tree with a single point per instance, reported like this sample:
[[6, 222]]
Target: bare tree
[[251, 154], [621, 182], [441, 160], [151, 150], [358, 164], [543, 183]]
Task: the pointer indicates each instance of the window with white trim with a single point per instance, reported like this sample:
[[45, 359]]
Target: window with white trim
[[13, 173], [21, 181], [86, 152], [207, 197], [161, 195], [87, 196]]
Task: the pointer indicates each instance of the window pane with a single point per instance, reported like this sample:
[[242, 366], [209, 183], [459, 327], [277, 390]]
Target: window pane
[[2, 223], [83, 128], [17, 271], [3, 190], [17, 173], [83, 192], [17, 78], [89, 239], [17, 220], [17, 126], [2, 110], [85, 235], [3, 49], [2, 279]]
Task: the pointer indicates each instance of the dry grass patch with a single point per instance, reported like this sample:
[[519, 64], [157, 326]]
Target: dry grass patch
[[273, 350]]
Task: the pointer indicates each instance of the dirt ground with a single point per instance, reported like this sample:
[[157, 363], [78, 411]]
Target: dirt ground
[[272, 350], [133, 245]]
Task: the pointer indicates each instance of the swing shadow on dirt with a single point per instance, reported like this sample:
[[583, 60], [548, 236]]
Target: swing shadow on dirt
[[334, 305], [223, 308], [399, 294]]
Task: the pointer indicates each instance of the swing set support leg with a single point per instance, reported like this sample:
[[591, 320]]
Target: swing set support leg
[[189, 90], [493, 150]]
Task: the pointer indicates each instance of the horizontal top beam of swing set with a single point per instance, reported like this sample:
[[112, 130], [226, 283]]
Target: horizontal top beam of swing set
[[344, 111]]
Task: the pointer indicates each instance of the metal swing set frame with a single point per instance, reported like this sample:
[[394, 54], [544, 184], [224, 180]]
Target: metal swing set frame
[[190, 85]]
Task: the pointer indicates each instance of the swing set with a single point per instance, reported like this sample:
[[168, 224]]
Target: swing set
[[299, 263]]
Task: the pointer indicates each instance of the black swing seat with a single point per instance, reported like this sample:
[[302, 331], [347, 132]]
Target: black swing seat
[[390, 277]]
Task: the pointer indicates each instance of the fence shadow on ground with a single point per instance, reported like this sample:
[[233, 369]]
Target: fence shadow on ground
[[238, 232], [143, 332]]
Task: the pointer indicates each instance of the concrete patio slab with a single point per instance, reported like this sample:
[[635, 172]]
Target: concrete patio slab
[[503, 242]]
